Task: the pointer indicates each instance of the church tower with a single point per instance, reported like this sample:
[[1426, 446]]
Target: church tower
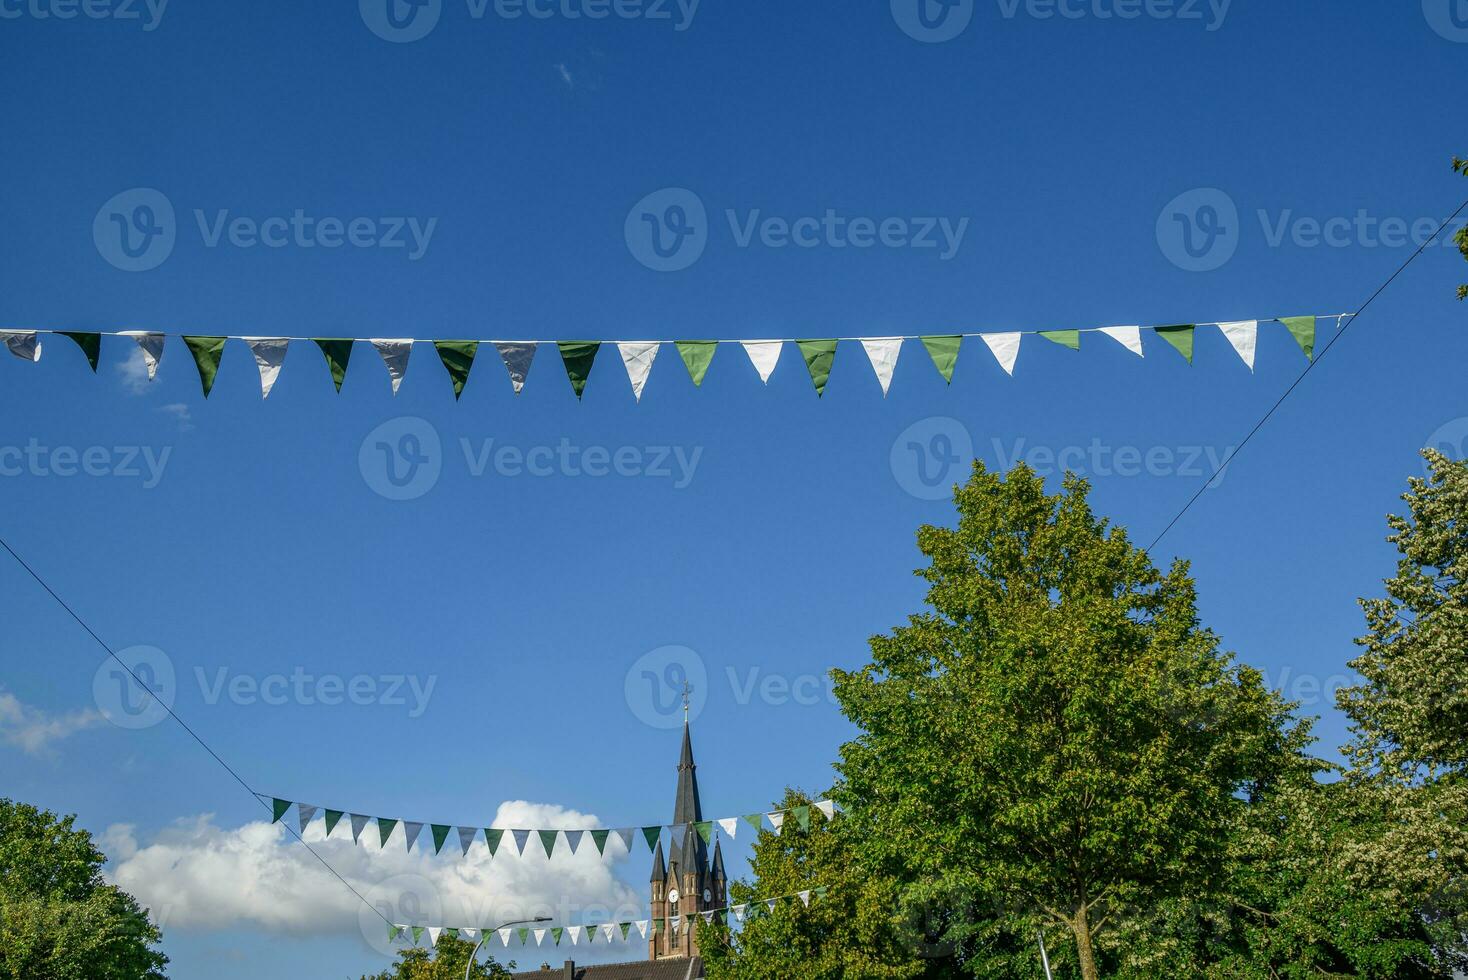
[[688, 882]]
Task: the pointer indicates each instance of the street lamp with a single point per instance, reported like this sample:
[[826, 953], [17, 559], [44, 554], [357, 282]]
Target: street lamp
[[485, 934]]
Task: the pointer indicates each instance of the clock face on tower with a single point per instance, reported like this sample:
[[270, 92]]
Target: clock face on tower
[[673, 896], [708, 896]]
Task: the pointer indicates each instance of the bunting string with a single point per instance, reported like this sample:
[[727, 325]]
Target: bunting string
[[608, 931], [495, 837], [577, 356]]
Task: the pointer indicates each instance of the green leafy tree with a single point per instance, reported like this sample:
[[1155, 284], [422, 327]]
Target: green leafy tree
[[59, 919], [1058, 739], [1461, 166], [445, 961], [1409, 715]]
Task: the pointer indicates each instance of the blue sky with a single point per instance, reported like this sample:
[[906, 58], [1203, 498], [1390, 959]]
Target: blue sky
[[765, 531]]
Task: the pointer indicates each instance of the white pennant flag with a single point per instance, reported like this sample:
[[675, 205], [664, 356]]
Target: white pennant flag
[[827, 807], [1244, 336], [468, 933], [764, 355], [776, 819], [151, 344], [359, 823], [269, 356], [412, 830], [882, 352], [517, 358], [771, 904], [575, 933], [505, 937], [609, 932], [805, 898], [625, 834], [466, 837], [638, 360], [1128, 337], [673, 923], [708, 918], [23, 344], [642, 928], [1005, 347], [738, 911], [730, 826], [539, 936], [433, 933], [395, 356], [306, 813]]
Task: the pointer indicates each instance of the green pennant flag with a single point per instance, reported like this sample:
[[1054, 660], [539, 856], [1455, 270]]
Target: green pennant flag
[[492, 838], [755, 820], [440, 834], [458, 358], [393, 932], [590, 934], [697, 356], [556, 934], [657, 926], [90, 343], [1065, 338], [819, 355], [626, 928], [417, 934], [384, 829], [802, 816], [578, 356], [524, 935], [600, 838], [651, 834], [944, 352], [1180, 337], [548, 840], [451, 933], [705, 830], [820, 891], [279, 808], [206, 351], [333, 817], [1302, 328], [338, 352]]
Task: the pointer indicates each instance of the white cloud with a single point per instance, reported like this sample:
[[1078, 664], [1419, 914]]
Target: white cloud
[[181, 415], [565, 74], [133, 371], [198, 876], [34, 729]]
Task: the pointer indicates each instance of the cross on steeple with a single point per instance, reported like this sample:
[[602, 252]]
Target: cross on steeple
[[687, 690]]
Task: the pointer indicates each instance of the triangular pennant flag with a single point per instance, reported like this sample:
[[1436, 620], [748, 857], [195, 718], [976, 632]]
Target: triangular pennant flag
[[1128, 337], [492, 838], [504, 935], [755, 820], [468, 933], [556, 933], [359, 824], [625, 833], [521, 836], [1243, 336], [626, 927], [466, 837], [433, 933], [151, 345], [609, 931], [384, 830], [805, 898], [708, 918], [548, 840], [539, 936], [412, 829], [802, 816], [306, 813], [333, 817], [673, 921], [641, 928], [705, 829], [777, 819], [738, 911], [524, 937], [206, 351], [599, 837], [820, 891], [651, 835], [517, 358], [1065, 338], [697, 356], [338, 351], [440, 834], [883, 353], [393, 932], [638, 358], [1005, 348], [90, 343], [458, 359], [417, 934], [573, 839], [819, 355], [578, 356], [944, 352], [279, 808], [24, 344], [770, 903], [1302, 328], [764, 355], [1180, 337], [395, 355], [676, 833], [575, 933], [730, 826], [269, 356], [828, 808]]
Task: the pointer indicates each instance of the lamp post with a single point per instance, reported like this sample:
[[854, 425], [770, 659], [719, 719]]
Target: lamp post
[[484, 936]]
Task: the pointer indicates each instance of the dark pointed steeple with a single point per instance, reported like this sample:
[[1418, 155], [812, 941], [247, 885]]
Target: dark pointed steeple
[[718, 859], [688, 809], [659, 871]]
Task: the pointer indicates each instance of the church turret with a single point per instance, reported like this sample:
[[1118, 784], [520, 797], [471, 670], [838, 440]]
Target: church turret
[[686, 885]]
